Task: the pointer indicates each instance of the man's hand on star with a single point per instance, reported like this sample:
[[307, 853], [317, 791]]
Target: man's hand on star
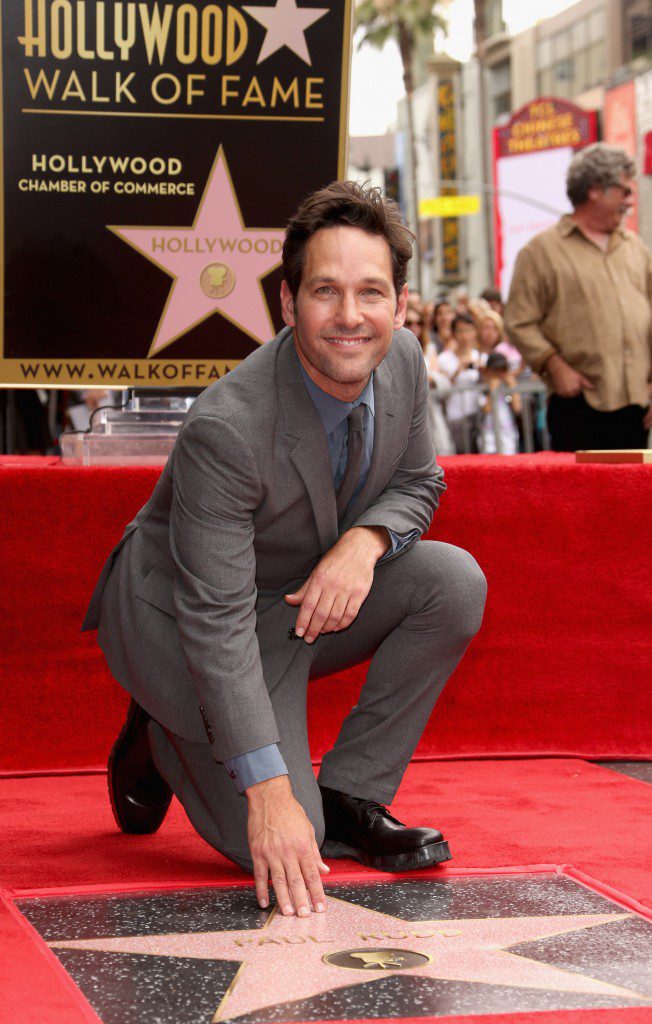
[[339, 584], [283, 848]]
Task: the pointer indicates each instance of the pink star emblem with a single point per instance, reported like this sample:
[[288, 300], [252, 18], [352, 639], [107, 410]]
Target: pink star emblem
[[286, 25], [289, 959], [217, 265]]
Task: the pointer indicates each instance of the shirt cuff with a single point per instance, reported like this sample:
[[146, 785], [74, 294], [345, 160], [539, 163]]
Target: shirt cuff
[[255, 766], [538, 363], [398, 542]]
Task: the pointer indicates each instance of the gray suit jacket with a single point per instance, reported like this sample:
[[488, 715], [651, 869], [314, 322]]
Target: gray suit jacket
[[190, 605]]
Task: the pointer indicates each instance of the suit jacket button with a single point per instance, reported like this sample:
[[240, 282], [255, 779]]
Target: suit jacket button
[[233, 775], [292, 635]]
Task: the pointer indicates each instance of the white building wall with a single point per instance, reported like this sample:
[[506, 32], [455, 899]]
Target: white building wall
[[474, 234], [373, 177], [524, 68], [424, 114], [426, 131]]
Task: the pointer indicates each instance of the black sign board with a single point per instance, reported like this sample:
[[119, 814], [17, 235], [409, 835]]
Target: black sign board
[[152, 154]]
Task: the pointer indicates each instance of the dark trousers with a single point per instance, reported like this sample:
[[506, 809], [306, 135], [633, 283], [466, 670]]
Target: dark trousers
[[574, 425]]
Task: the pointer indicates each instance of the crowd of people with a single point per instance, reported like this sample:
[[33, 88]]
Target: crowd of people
[[471, 365], [473, 371], [464, 344]]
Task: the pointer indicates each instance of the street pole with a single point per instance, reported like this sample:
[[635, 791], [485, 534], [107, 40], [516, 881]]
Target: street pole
[[480, 34]]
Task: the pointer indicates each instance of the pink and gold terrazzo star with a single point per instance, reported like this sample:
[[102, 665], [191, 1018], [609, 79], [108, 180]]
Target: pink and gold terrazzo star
[[284, 961], [217, 264]]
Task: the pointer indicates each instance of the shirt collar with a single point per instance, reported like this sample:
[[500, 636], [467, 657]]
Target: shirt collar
[[332, 410], [566, 225]]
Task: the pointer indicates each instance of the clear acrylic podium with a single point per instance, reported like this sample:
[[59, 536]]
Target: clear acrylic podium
[[141, 432]]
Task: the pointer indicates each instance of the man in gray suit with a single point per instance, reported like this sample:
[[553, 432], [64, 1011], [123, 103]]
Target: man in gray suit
[[280, 544]]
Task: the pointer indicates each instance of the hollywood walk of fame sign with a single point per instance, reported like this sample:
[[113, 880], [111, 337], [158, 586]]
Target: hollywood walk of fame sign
[[151, 156], [400, 949]]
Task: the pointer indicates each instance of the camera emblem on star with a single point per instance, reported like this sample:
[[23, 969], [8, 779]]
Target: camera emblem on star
[[217, 280]]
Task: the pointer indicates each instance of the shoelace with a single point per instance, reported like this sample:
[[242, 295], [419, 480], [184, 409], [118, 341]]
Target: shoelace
[[374, 809]]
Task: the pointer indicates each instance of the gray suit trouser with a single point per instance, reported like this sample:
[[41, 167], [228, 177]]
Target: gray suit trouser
[[422, 611]]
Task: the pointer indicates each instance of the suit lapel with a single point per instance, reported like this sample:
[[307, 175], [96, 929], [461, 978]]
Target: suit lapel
[[307, 439]]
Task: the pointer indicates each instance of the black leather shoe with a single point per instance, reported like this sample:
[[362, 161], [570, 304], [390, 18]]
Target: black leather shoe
[[365, 830], [139, 796]]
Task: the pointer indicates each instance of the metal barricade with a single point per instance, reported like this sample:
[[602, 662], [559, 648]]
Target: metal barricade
[[531, 422]]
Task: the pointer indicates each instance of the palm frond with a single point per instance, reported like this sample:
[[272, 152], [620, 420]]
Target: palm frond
[[381, 18], [377, 36]]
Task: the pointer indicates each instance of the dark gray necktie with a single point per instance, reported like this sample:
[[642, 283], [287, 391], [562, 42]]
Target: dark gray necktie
[[355, 451]]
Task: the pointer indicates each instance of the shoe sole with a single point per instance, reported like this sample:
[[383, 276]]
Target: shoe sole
[[424, 857]]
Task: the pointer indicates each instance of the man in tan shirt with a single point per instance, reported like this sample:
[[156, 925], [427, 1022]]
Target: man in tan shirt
[[579, 310]]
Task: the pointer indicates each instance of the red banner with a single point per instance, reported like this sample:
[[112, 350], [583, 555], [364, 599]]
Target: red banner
[[620, 129]]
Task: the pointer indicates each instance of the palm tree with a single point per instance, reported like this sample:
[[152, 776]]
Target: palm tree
[[409, 22]]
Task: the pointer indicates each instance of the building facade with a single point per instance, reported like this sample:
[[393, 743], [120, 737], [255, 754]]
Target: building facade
[[581, 54], [584, 54]]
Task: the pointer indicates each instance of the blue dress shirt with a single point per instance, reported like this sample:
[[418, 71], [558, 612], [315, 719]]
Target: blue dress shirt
[[267, 762]]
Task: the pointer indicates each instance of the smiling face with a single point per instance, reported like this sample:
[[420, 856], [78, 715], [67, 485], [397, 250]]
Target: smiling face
[[346, 309]]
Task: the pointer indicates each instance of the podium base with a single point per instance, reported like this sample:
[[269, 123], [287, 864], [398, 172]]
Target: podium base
[[140, 433]]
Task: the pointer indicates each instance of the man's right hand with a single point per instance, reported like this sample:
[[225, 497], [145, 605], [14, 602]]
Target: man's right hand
[[283, 847], [566, 382]]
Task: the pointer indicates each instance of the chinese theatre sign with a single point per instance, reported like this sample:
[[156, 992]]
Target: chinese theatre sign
[[546, 124], [152, 154]]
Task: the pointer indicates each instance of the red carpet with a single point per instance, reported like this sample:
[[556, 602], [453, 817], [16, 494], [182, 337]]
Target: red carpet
[[58, 833], [558, 667]]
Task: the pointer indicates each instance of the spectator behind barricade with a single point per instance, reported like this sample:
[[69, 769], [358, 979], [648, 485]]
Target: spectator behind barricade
[[441, 328], [439, 384], [491, 338], [493, 297], [579, 309], [499, 407], [462, 369], [460, 300], [415, 320], [478, 309]]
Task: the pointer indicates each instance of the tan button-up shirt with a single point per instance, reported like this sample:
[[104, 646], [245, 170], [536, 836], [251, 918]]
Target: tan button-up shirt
[[589, 305]]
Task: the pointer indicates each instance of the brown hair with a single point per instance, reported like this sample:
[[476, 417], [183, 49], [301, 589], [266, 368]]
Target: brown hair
[[598, 165], [349, 204]]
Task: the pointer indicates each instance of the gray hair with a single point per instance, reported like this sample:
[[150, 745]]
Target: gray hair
[[600, 165]]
